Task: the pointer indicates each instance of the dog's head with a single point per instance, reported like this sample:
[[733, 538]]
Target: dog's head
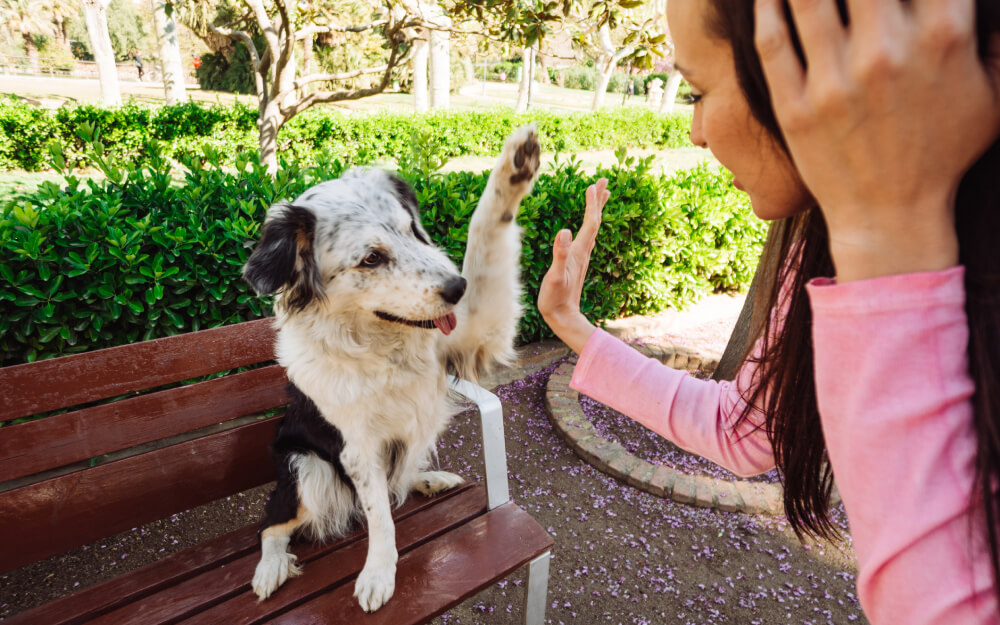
[[355, 246]]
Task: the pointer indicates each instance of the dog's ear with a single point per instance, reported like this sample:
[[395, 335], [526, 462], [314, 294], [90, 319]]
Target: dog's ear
[[284, 260], [408, 198]]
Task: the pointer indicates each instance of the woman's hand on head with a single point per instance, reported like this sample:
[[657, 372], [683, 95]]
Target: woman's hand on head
[[562, 286], [882, 126]]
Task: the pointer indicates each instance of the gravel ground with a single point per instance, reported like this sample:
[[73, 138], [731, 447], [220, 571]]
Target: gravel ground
[[624, 556]]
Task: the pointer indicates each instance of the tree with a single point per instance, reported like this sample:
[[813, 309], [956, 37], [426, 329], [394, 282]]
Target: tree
[[95, 13], [29, 19], [524, 89], [280, 94], [170, 52], [607, 58], [628, 32]]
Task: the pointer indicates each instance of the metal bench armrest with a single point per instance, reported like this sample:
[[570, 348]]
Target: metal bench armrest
[[494, 449]]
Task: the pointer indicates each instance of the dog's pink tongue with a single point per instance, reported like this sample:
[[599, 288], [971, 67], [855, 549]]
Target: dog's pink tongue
[[447, 323]]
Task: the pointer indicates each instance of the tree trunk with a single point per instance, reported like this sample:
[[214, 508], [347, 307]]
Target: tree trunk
[[749, 324], [269, 124], [670, 91], [285, 79], [170, 54], [523, 89], [440, 65], [307, 61], [420, 54], [100, 42], [604, 70], [31, 50], [543, 70]]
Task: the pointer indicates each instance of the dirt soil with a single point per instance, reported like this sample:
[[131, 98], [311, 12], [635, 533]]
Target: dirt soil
[[621, 555]]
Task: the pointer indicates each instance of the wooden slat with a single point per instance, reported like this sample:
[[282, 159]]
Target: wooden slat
[[59, 440], [55, 515], [440, 574], [203, 598], [39, 387], [212, 558]]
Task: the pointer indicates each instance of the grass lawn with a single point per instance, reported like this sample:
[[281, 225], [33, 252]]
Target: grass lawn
[[54, 92], [12, 182]]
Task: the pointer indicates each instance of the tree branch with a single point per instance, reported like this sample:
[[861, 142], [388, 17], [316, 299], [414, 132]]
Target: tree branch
[[239, 35], [287, 34], [305, 80], [315, 30], [257, 62], [266, 27], [338, 96]]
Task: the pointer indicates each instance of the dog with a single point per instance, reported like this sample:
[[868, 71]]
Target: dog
[[371, 318]]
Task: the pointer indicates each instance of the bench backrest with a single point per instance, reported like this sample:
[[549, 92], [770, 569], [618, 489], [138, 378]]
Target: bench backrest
[[129, 443]]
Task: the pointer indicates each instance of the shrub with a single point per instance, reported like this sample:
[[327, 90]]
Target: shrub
[[579, 78], [189, 128], [136, 256]]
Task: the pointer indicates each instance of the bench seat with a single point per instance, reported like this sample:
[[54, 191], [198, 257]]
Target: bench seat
[[179, 447]]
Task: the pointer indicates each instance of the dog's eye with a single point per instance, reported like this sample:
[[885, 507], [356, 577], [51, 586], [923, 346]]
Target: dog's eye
[[374, 259]]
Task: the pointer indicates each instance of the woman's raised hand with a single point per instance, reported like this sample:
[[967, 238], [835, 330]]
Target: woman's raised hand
[[562, 286], [890, 114]]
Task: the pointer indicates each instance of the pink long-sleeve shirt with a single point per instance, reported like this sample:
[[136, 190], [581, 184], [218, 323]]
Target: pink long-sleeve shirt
[[894, 393]]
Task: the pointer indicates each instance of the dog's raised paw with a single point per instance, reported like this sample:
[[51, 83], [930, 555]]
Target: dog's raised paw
[[272, 572], [525, 154], [374, 587], [431, 483]]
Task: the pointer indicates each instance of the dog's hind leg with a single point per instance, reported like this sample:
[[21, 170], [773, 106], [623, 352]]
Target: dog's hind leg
[[489, 312], [431, 483], [276, 564], [284, 513]]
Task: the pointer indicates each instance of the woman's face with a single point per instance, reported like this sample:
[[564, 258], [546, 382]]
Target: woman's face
[[722, 120]]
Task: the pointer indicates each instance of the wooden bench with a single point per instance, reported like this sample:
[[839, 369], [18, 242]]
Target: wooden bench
[[164, 447]]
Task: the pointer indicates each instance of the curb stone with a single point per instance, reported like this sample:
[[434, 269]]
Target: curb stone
[[569, 420]]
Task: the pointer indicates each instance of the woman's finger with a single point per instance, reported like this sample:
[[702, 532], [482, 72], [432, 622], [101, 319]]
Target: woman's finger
[[822, 34], [947, 13], [875, 18], [784, 74], [560, 250], [596, 197]]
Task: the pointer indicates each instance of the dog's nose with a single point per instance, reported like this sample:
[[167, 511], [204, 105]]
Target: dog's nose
[[453, 290]]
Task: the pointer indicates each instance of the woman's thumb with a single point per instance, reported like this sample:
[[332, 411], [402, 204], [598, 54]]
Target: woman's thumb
[[561, 247]]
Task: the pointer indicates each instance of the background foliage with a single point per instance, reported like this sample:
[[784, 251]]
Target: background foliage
[[95, 263], [313, 135]]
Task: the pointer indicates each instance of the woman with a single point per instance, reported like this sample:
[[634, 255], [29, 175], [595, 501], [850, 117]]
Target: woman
[[870, 128]]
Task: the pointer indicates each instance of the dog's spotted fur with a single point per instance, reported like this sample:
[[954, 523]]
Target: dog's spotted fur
[[361, 293]]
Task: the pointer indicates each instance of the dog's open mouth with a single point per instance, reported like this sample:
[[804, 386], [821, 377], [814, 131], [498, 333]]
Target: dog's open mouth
[[446, 324]]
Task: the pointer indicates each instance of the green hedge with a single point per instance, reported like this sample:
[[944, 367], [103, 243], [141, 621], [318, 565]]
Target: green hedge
[[188, 128], [90, 264]]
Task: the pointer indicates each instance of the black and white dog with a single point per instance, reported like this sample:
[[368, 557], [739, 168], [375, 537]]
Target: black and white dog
[[372, 317]]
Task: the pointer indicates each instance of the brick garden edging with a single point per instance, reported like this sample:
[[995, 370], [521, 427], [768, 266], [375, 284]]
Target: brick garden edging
[[569, 420]]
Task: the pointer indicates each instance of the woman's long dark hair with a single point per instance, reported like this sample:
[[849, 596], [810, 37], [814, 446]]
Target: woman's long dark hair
[[801, 247]]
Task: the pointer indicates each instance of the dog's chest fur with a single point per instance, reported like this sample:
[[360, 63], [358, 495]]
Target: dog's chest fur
[[373, 392]]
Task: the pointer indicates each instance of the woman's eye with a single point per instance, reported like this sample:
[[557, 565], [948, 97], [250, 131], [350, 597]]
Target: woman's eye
[[373, 259]]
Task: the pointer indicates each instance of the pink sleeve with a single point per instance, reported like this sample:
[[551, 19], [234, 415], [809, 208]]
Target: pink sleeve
[[696, 415], [894, 392]]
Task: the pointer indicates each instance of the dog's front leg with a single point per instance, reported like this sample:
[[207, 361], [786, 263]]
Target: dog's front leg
[[377, 580], [489, 312]]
